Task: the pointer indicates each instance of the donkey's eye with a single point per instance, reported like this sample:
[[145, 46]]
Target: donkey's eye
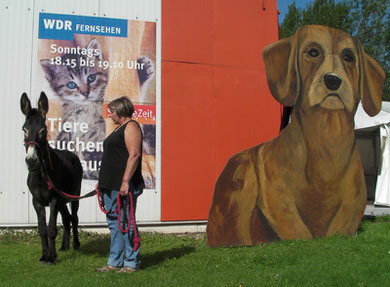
[[348, 56], [91, 78], [313, 52], [42, 132], [71, 85]]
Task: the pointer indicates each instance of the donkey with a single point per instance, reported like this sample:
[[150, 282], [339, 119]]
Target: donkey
[[48, 170]]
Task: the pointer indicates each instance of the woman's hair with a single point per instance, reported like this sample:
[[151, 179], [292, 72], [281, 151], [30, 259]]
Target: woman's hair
[[122, 106]]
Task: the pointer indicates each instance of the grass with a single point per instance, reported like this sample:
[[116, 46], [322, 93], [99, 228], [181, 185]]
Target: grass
[[185, 260]]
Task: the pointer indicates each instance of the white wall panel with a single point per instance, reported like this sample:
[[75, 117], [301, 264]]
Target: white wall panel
[[77, 7], [146, 10], [18, 58], [16, 25]]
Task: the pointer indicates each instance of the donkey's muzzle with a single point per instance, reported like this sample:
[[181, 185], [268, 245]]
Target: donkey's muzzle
[[32, 159]]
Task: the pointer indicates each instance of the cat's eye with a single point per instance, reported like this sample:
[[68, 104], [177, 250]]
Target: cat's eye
[[91, 78], [71, 85], [25, 132]]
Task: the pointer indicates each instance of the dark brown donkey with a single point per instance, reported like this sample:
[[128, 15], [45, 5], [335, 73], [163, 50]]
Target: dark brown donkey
[[48, 170]]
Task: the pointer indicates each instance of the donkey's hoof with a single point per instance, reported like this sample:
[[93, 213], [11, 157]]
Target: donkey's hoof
[[64, 248], [43, 259], [76, 246], [50, 262]]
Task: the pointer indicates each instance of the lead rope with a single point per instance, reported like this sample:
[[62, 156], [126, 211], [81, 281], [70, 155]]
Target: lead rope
[[136, 239], [51, 186]]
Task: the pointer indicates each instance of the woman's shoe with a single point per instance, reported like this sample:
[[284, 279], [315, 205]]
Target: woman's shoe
[[126, 269], [107, 268]]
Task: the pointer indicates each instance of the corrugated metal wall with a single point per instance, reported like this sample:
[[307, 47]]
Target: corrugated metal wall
[[18, 58]]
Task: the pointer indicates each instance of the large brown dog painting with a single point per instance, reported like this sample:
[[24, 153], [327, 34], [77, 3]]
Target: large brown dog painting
[[308, 182]]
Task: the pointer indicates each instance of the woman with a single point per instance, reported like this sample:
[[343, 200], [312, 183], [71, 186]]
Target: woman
[[120, 172]]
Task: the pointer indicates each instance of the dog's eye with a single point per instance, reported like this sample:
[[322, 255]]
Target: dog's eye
[[314, 53], [348, 57]]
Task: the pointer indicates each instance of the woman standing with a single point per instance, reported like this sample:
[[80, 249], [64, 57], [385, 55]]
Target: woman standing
[[120, 172]]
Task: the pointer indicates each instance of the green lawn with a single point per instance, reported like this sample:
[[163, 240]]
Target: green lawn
[[185, 260]]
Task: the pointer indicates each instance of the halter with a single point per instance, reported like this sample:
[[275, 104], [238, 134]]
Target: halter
[[40, 150], [33, 143]]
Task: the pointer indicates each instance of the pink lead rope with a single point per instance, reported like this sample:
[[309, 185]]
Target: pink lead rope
[[137, 239]]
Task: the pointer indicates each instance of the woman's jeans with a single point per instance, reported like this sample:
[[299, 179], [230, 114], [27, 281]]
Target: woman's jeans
[[122, 244]]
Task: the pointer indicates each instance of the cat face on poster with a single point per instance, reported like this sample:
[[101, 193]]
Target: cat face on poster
[[82, 80]]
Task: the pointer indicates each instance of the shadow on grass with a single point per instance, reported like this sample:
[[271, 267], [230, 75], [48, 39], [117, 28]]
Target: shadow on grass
[[366, 218], [101, 247], [159, 257]]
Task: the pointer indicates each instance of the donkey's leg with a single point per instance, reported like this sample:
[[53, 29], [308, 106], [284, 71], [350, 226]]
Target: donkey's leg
[[75, 224], [42, 229], [53, 230], [66, 222]]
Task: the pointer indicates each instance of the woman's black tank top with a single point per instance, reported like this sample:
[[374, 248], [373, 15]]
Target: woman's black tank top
[[113, 165]]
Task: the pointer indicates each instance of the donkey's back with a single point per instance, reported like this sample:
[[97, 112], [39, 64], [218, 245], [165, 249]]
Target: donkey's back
[[68, 171]]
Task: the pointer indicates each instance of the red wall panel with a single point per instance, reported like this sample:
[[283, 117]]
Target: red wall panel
[[215, 100]]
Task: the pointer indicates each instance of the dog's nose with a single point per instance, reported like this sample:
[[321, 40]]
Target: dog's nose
[[332, 81]]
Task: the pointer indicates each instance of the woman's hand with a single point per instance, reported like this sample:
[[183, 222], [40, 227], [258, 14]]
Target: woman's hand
[[124, 191]]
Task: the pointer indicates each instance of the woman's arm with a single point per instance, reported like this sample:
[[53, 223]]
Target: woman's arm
[[133, 141]]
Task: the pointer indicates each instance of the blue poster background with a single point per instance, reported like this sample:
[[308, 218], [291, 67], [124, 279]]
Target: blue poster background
[[63, 27]]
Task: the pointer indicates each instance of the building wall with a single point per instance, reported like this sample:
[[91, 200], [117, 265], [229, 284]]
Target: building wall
[[215, 97], [212, 96], [18, 55]]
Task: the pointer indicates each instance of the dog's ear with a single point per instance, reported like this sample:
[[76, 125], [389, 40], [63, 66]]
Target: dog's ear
[[280, 67], [372, 78]]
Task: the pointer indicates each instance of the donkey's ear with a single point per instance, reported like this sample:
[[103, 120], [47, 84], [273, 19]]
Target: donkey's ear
[[25, 104], [280, 67], [43, 104], [372, 79]]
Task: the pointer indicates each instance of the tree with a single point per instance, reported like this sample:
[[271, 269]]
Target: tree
[[291, 22], [321, 12], [371, 25], [368, 20]]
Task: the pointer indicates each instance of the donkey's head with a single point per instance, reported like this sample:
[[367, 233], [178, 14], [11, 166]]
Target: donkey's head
[[35, 130]]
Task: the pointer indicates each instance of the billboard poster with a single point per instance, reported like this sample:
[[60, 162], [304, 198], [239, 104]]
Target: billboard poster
[[83, 64]]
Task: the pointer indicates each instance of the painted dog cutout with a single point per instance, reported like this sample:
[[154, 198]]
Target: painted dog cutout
[[46, 165], [308, 182]]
